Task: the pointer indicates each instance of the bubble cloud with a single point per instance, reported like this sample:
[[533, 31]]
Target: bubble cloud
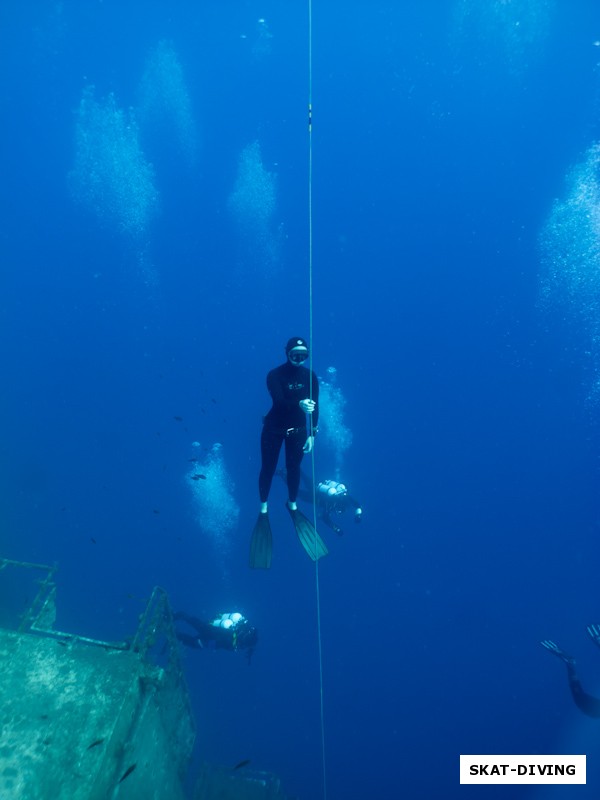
[[164, 107], [253, 202], [570, 259], [333, 430], [216, 511], [110, 175]]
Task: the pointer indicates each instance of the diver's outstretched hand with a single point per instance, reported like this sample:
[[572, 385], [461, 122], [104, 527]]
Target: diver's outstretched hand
[[553, 648], [594, 632]]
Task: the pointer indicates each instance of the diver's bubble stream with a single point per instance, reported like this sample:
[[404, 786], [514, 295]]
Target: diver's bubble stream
[[212, 488], [110, 175], [570, 256], [164, 105], [253, 202], [332, 427]]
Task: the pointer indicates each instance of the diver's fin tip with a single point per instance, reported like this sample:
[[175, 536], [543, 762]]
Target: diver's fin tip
[[261, 544], [310, 540]]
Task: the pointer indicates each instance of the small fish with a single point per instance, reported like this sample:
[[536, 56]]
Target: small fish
[[198, 477], [155, 511], [243, 763], [213, 400], [95, 744], [92, 540], [178, 419], [193, 460], [127, 772]]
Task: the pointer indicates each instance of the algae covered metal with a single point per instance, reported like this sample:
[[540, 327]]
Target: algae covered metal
[[87, 719]]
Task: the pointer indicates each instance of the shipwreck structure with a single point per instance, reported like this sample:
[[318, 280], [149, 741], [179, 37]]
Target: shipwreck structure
[[84, 719]]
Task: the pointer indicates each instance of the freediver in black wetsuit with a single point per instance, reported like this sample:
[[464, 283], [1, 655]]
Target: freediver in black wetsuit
[[294, 390], [587, 703]]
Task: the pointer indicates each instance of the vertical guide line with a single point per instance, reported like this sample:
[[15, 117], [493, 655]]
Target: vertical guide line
[[310, 352]]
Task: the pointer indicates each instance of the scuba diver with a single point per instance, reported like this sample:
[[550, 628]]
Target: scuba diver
[[585, 702], [294, 390], [332, 500], [225, 632]]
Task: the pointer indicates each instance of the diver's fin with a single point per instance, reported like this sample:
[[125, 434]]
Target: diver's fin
[[309, 539], [261, 543]]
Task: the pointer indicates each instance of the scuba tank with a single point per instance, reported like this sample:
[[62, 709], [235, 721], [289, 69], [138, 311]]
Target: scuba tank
[[228, 620], [238, 626], [331, 488]]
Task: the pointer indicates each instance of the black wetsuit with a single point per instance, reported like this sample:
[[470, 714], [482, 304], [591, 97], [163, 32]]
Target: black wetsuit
[[287, 385], [235, 638], [330, 507], [587, 703], [206, 634]]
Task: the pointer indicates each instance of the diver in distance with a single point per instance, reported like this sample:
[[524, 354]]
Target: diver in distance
[[332, 499], [585, 702], [294, 390], [225, 632]]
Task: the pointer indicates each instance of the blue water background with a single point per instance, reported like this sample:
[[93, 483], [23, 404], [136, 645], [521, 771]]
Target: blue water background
[[438, 149]]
